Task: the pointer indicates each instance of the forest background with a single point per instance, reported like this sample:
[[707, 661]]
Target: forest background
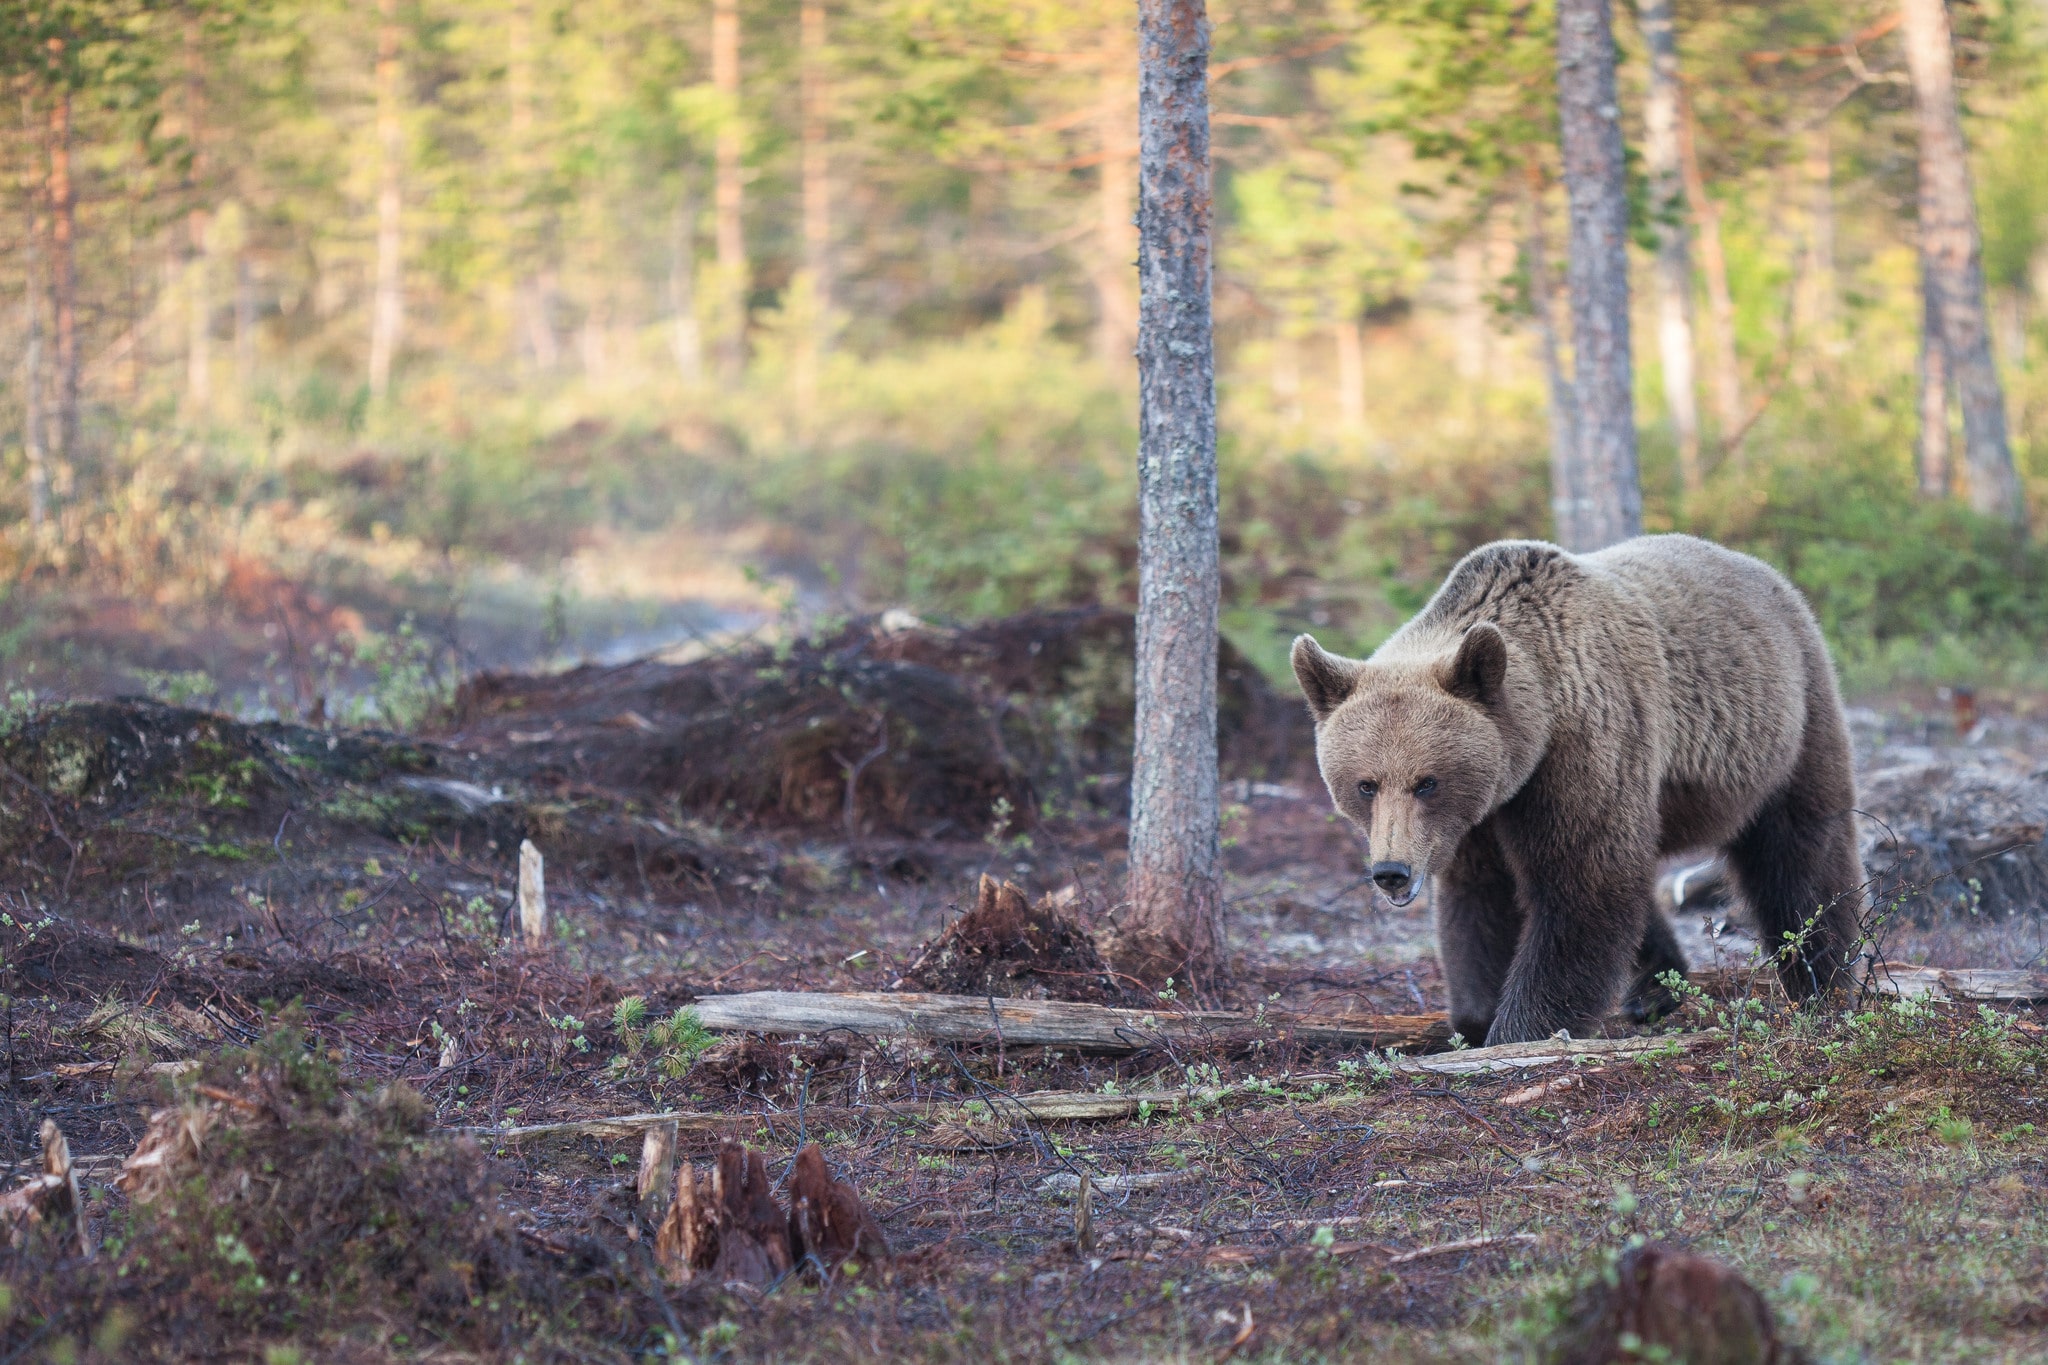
[[326, 317]]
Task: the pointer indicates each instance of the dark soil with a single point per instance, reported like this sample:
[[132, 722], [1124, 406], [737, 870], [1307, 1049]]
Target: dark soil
[[267, 897]]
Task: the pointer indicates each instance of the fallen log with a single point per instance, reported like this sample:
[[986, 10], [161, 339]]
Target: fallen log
[[1053, 1106], [1984, 985], [1048, 1023]]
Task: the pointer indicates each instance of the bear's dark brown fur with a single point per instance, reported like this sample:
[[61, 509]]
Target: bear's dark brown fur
[[1550, 724]]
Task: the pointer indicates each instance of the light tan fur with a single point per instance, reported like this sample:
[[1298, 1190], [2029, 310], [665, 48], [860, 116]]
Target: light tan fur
[[1580, 715]]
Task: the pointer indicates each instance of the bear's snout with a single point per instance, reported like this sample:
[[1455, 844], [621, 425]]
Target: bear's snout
[[1393, 878]]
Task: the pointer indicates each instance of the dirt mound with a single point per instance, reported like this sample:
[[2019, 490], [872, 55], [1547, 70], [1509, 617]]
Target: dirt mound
[[1006, 946], [887, 727], [1947, 839]]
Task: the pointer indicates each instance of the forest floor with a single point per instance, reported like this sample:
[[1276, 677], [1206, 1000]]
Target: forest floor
[[317, 915]]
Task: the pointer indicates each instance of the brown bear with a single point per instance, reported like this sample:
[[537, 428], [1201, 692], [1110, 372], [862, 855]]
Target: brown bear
[[1549, 725]]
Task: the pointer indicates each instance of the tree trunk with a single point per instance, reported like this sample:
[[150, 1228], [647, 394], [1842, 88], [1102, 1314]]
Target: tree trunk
[[817, 168], [1286, 374], [32, 348], [1116, 247], [1932, 450], [1596, 181], [1667, 214], [64, 277], [1820, 245], [245, 325], [1951, 257], [532, 293], [1346, 333], [1468, 309], [1174, 926], [685, 340], [1565, 496], [727, 201], [198, 303], [1724, 372], [387, 309], [808, 304]]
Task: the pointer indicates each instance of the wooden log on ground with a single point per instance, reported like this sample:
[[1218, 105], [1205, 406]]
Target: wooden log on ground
[[1057, 1106], [1985, 985], [1047, 1023]]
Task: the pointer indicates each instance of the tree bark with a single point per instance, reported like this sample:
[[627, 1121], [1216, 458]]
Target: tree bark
[[808, 304], [817, 166], [685, 340], [32, 348], [1174, 926], [532, 294], [198, 303], [245, 325], [1951, 258], [1932, 448], [1724, 372], [1468, 309], [1595, 177], [1565, 497], [1350, 343], [64, 277], [1116, 247], [728, 192], [1667, 214], [387, 307], [1820, 246]]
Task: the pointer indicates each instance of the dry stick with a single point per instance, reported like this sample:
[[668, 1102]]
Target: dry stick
[[1468, 1244]]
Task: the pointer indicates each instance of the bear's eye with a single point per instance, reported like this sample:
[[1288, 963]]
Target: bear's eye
[[1425, 786], [1368, 790]]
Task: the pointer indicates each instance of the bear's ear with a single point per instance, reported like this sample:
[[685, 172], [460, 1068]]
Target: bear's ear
[[1479, 670], [1325, 679]]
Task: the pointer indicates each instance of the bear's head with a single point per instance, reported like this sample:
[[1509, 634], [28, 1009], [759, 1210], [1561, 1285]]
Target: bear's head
[[1413, 750]]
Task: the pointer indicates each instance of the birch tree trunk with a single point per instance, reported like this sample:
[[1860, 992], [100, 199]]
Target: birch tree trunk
[[1346, 333], [64, 277], [1932, 455], [1565, 496], [1951, 258], [532, 297], [1174, 925], [1724, 371], [1595, 177], [727, 193], [387, 307], [1116, 247], [1667, 215], [685, 340], [1820, 246]]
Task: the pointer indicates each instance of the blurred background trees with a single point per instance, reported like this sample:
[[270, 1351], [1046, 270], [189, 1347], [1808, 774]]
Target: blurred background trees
[[429, 300]]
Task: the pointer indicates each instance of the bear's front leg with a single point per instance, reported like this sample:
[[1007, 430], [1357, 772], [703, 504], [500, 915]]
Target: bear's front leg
[[1585, 901], [1478, 925]]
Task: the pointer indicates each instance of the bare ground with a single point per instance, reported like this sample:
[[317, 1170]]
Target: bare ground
[[176, 881]]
